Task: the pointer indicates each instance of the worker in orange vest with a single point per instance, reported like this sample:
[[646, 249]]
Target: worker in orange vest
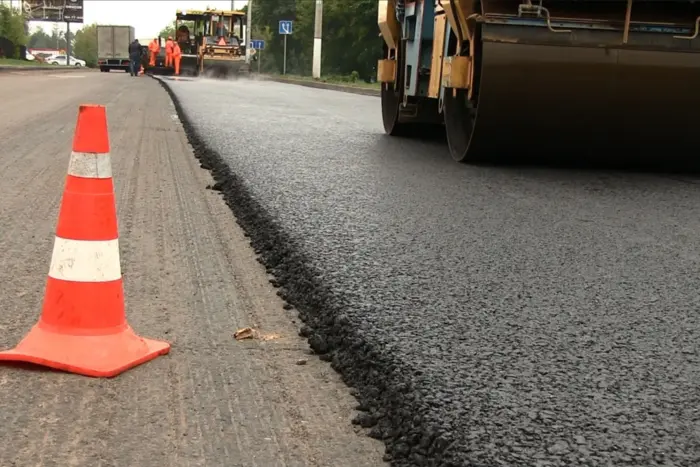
[[169, 52], [177, 56], [154, 48]]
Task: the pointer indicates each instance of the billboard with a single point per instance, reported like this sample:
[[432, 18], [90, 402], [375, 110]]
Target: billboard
[[56, 11]]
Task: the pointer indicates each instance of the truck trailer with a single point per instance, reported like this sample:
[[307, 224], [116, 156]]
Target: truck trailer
[[113, 47], [545, 77]]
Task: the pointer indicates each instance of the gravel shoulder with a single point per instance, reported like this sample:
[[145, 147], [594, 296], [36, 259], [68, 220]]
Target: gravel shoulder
[[191, 277], [486, 315]]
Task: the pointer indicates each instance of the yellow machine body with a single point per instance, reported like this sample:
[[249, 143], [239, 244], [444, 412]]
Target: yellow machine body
[[509, 77], [214, 42]]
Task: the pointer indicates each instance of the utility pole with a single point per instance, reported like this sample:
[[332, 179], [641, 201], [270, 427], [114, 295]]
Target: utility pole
[[318, 29], [68, 47], [248, 30]]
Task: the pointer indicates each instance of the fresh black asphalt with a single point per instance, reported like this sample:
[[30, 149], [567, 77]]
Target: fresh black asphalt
[[485, 315]]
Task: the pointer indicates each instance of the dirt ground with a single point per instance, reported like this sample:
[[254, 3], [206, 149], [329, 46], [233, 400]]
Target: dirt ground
[[190, 278]]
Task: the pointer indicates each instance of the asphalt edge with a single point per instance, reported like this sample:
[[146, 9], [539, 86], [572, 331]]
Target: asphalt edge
[[389, 406], [329, 86]]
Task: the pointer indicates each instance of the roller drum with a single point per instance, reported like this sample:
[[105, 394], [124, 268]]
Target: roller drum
[[542, 93]]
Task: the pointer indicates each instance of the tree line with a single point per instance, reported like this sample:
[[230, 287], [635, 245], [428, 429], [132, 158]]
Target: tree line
[[12, 28], [351, 42], [83, 43]]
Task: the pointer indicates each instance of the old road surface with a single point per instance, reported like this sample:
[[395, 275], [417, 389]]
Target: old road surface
[[190, 277], [486, 315]]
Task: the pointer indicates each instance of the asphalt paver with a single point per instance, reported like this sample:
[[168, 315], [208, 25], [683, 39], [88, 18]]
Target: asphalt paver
[[190, 277], [485, 315]]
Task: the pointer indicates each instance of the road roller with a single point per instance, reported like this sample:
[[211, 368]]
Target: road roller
[[509, 78], [212, 43]]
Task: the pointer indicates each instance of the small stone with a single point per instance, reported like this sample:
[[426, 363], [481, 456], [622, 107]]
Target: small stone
[[560, 447], [302, 361]]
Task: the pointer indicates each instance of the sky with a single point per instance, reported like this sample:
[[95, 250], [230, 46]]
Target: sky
[[147, 16]]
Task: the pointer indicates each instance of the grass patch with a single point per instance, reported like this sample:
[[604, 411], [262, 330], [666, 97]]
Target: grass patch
[[20, 63], [349, 81]]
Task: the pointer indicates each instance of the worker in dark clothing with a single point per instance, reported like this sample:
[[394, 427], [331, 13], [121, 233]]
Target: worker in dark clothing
[[135, 52]]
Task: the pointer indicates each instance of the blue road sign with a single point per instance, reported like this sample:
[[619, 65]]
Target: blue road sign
[[285, 27], [257, 45]]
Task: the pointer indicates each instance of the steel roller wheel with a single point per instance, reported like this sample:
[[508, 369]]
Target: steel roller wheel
[[460, 119], [460, 112], [391, 99]]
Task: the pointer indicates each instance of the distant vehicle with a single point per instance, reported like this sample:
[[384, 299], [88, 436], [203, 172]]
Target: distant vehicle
[[113, 47], [63, 60]]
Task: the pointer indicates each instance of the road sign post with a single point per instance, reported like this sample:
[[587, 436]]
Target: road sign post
[[258, 46], [248, 27], [285, 30]]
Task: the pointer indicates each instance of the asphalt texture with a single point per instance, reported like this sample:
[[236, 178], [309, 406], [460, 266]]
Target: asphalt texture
[[190, 277], [484, 315]]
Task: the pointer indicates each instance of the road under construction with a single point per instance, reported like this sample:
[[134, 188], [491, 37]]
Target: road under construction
[[328, 295]]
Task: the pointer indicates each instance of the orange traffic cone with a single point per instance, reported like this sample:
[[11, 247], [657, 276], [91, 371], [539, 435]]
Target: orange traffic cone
[[83, 328]]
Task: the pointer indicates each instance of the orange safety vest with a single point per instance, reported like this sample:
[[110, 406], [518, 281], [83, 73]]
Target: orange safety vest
[[169, 47], [154, 46], [176, 50]]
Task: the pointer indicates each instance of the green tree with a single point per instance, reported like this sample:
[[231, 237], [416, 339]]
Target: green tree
[[267, 61], [40, 40], [85, 44], [12, 28], [168, 30], [351, 41], [59, 39]]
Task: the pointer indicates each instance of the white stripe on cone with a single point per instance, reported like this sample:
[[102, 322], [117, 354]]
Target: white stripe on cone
[[85, 260], [90, 165]]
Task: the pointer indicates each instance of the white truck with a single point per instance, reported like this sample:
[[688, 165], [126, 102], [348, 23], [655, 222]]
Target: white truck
[[113, 47]]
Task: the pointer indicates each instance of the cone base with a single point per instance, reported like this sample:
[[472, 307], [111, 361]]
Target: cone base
[[96, 356]]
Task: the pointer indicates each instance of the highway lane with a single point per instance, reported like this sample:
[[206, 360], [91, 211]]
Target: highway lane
[[492, 315], [189, 278]]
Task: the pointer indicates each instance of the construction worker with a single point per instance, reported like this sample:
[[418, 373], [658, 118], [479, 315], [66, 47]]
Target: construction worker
[[177, 56], [169, 52], [154, 49], [221, 29]]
